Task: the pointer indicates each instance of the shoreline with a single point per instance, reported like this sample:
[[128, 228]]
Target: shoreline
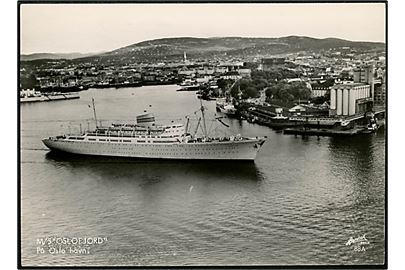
[[100, 86]]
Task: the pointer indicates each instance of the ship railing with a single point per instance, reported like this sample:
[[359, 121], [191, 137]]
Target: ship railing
[[218, 139], [130, 135]]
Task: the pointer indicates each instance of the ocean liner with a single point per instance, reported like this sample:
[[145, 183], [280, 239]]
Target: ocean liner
[[145, 139]]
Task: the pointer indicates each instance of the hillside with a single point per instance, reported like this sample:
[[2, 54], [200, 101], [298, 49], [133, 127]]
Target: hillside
[[37, 56], [173, 48]]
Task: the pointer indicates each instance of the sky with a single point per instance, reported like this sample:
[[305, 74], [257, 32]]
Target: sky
[[85, 28]]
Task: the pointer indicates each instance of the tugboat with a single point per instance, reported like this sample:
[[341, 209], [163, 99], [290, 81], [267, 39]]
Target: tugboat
[[372, 124], [280, 121]]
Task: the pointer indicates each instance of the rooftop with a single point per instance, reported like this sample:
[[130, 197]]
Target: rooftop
[[347, 85]]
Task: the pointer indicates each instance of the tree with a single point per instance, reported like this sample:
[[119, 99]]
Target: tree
[[223, 84], [29, 82], [250, 92], [288, 91], [275, 74], [260, 83], [243, 84]]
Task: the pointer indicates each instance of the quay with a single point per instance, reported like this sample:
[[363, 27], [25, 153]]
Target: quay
[[322, 125], [326, 132], [350, 126]]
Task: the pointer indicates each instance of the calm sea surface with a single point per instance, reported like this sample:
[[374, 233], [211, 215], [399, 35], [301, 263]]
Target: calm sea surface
[[298, 203]]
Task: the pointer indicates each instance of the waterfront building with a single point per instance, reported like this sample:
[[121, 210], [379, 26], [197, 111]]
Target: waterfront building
[[149, 77], [204, 79], [309, 110], [298, 109], [350, 99], [187, 72]]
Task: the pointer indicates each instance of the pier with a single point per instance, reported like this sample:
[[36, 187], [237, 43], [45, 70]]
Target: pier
[[316, 125], [325, 132]]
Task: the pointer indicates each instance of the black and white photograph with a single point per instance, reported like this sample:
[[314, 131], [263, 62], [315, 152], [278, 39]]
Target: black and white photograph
[[168, 134]]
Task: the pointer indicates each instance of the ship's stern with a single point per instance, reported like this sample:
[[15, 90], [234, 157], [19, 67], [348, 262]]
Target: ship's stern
[[257, 144]]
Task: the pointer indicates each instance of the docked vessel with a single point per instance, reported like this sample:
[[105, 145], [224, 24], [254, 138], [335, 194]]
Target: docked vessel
[[36, 96], [145, 139], [280, 121], [189, 85], [225, 107]]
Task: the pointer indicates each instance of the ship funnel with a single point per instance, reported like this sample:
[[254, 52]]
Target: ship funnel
[[146, 119]]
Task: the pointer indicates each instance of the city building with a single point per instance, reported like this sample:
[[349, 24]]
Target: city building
[[232, 75], [319, 91], [270, 63], [365, 75], [245, 72], [350, 99], [380, 91], [187, 72]]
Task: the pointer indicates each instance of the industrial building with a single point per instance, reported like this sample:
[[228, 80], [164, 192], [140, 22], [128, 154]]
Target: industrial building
[[350, 99]]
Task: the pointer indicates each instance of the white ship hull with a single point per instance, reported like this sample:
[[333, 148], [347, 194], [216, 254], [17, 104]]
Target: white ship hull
[[229, 150]]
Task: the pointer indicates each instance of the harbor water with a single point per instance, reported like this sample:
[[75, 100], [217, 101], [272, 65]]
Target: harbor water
[[299, 203]]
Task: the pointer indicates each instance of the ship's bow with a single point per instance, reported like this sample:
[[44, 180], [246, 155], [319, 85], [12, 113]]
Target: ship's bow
[[50, 143]]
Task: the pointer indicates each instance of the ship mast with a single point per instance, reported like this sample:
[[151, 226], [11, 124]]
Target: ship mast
[[203, 118], [198, 124], [188, 121], [94, 111]]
